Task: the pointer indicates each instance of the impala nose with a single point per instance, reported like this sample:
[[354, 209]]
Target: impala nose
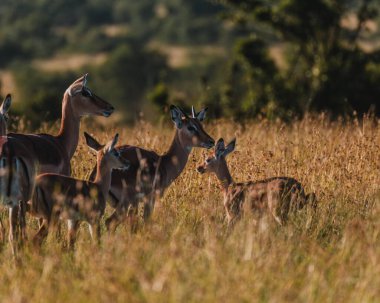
[[108, 112], [200, 169]]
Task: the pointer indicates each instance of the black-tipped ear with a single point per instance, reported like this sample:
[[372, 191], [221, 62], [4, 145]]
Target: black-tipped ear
[[113, 142], [230, 147], [84, 83], [202, 114], [177, 115], [92, 143], [219, 148], [6, 104]]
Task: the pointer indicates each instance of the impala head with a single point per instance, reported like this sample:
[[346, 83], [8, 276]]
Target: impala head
[[85, 102], [107, 154], [4, 108], [216, 163], [190, 130]]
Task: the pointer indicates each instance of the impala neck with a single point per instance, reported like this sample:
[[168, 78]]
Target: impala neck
[[223, 175], [174, 161], [69, 131], [103, 177]]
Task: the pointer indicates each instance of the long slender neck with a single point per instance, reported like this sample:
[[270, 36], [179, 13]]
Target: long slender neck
[[69, 132], [3, 126], [223, 175], [103, 176], [174, 161]]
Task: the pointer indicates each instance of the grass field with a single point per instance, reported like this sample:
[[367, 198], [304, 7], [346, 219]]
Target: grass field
[[185, 255]]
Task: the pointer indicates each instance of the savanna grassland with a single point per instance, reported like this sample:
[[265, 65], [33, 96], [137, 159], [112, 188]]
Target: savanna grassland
[[185, 254]]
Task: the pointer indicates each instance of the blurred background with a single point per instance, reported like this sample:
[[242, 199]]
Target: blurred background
[[243, 59]]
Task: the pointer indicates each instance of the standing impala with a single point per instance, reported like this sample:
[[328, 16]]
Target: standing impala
[[150, 174], [26, 155], [279, 195], [61, 197], [4, 108]]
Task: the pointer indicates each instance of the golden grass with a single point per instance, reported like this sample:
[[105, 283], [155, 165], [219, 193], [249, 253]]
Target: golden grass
[[185, 255]]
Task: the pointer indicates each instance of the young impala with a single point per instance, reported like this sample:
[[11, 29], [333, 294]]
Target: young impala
[[61, 197], [150, 174], [278, 195], [26, 155]]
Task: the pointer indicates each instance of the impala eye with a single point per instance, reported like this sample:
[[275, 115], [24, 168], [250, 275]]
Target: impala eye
[[192, 129]]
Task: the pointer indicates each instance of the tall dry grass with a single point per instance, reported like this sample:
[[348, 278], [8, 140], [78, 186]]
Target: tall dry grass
[[185, 255]]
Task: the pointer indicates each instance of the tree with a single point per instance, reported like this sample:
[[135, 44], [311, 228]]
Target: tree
[[325, 69]]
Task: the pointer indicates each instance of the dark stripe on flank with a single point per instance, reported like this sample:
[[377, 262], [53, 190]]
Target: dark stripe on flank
[[10, 170], [25, 169]]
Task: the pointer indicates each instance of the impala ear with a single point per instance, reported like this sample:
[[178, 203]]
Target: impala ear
[[92, 143], [4, 108], [230, 147], [84, 83], [112, 143], [77, 86], [202, 114], [177, 116], [219, 148]]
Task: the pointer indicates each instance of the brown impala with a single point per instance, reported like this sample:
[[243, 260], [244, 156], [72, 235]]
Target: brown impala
[[61, 197], [26, 155], [279, 195], [149, 173], [4, 108]]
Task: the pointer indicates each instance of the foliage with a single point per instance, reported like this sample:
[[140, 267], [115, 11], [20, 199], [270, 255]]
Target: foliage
[[128, 73], [325, 69], [40, 94]]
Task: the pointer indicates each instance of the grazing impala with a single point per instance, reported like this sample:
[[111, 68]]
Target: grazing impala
[[4, 108], [26, 155], [61, 197], [279, 195], [150, 174]]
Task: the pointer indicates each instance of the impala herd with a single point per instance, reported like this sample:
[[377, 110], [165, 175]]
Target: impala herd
[[35, 174]]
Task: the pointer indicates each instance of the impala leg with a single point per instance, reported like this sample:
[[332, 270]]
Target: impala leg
[[22, 215], [13, 230], [94, 230], [113, 221], [72, 226], [42, 233], [133, 219], [116, 218], [148, 207], [2, 231]]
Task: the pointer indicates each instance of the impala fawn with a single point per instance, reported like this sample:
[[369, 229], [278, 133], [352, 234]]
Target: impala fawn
[[278, 195], [150, 174], [26, 155], [62, 197]]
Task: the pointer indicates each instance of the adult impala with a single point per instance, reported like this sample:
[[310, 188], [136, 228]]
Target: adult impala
[[26, 155], [4, 108], [149, 173], [278, 195], [61, 197]]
